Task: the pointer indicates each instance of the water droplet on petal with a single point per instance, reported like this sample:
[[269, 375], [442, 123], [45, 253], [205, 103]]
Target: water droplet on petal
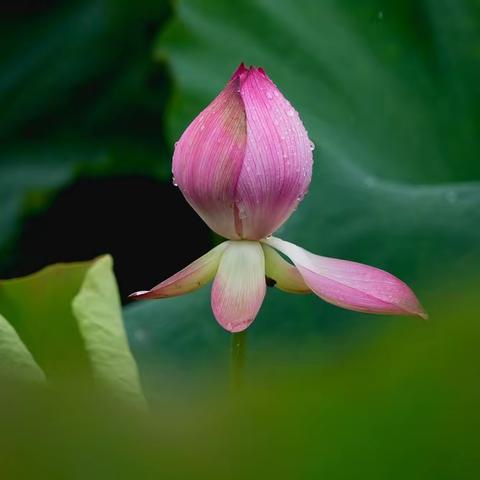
[[312, 146], [242, 212], [290, 112], [202, 127], [275, 92], [175, 184]]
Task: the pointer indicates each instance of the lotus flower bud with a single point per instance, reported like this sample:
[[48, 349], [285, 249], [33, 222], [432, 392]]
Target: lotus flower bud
[[245, 162]]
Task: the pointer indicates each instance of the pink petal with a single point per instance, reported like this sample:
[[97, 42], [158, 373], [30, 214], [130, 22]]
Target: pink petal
[[351, 285], [277, 167], [285, 275], [191, 278], [209, 156], [239, 286]]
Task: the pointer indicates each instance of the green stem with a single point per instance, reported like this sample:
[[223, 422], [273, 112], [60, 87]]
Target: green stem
[[239, 345]]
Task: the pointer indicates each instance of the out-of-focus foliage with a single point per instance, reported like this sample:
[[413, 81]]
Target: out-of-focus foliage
[[390, 94], [79, 91], [65, 323], [402, 405], [15, 359]]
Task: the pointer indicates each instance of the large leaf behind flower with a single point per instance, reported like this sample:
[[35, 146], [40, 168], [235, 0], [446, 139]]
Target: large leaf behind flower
[[389, 93]]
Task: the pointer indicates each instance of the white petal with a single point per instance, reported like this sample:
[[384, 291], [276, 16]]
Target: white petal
[[239, 287], [285, 275]]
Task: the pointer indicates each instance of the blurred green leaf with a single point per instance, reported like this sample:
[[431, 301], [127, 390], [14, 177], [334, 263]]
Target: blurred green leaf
[[69, 318], [15, 359], [401, 405], [389, 93], [83, 63], [97, 309]]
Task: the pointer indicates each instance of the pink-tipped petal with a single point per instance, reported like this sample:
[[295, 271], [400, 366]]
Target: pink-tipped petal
[[351, 285], [277, 167], [284, 274], [209, 156], [239, 286], [191, 278]]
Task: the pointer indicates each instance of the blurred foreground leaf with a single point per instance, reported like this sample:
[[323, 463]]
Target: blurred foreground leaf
[[389, 93], [401, 405], [15, 359], [68, 316]]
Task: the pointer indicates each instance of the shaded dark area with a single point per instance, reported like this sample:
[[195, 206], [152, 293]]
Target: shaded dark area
[[79, 76], [145, 224], [106, 87], [14, 9]]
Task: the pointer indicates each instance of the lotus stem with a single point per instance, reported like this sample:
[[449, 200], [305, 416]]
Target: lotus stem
[[239, 344]]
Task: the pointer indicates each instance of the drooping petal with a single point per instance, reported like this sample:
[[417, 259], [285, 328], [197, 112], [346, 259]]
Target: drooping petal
[[277, 167], [285, 275], [351, 285], [239, 286], [209, 156], [191, 278]]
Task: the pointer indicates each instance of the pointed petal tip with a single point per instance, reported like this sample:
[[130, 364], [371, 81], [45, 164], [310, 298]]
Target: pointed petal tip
[[411, 307], [239, 71], [422, 314], [262, 71], [138, 295], [416, 311]]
